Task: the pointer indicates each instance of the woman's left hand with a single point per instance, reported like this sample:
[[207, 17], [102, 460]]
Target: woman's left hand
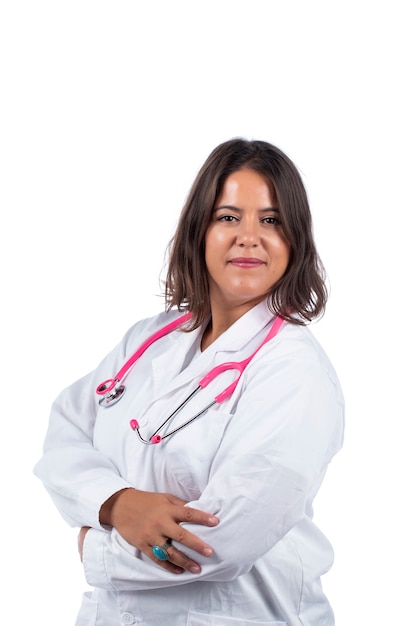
[[81, 536]]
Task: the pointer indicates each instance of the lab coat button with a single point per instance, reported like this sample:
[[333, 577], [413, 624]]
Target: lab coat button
[[128, 618]]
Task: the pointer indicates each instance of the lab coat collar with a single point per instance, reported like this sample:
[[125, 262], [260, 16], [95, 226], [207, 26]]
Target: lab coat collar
[[167, 366], [243, 330]]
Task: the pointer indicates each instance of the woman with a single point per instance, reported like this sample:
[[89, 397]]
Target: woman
[[208, 520]]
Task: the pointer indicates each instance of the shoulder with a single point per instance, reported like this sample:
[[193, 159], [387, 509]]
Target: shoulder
[[296, 350], [143, 329], [300, 341]]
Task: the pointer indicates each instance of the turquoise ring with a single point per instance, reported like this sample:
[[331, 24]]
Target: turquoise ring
[[161, 551]]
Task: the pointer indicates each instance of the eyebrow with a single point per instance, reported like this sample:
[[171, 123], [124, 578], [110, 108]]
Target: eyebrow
[[234, 208]]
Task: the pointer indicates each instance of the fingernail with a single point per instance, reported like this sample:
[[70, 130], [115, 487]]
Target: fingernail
[[195, 569], [212, 520], [207, 551]]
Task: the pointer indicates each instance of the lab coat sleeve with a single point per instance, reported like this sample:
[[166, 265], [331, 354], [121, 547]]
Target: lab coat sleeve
[[287, 425], [76, 475]]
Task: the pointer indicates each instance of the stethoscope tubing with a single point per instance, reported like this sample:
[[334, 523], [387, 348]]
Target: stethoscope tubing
[[156, 438], [111, 393], [108, 389]]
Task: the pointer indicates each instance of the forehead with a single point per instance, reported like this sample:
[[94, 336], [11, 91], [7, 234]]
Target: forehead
[[246, 185]]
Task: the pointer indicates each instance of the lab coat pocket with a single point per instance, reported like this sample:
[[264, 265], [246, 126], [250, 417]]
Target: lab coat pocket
[[87, 615], [204, 619]]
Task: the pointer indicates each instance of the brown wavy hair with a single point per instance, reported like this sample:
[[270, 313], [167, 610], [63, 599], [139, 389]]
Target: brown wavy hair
[[300, 295]]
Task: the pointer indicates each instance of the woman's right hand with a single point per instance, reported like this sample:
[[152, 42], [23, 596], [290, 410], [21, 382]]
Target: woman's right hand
[[146, 519]]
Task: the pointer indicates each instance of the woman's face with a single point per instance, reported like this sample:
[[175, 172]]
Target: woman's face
[[246, 251]]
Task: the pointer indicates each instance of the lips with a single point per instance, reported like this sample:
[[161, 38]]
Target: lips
[[246, 262]]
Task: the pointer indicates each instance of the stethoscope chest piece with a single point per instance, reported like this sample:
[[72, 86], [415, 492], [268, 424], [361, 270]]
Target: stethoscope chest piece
[[112, 397]]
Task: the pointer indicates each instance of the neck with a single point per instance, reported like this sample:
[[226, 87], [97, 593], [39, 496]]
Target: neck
[[213, 332], [221, 319]]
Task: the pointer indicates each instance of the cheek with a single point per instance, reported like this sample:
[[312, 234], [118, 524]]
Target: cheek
[[215, 241], [287, 252], [282, 255]]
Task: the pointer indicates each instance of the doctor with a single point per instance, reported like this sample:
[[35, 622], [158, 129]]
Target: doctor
[[195, 507]]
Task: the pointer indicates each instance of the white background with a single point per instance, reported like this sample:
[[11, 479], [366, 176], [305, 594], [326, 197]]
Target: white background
[[108, 109]]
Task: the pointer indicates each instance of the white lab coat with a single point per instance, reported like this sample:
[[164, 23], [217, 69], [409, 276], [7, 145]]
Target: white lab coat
[[256, 461]]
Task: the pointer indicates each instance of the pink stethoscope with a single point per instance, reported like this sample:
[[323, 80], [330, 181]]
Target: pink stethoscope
[[111, 390]]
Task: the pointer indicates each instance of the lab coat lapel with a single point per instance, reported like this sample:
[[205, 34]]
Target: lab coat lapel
[[167, 368]]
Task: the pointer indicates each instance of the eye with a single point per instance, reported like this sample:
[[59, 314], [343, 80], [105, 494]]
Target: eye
[[226, 218], [274, 221]]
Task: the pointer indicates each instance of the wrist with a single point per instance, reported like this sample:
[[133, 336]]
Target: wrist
[[106, 510]]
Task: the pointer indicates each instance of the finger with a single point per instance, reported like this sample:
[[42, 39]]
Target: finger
[[182, 561], [188, 539], [194, 516], [176, 561], [167, 565], [174, 500], [162, 557]]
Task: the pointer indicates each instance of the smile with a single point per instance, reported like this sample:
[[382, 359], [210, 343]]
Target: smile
[[246, 262]]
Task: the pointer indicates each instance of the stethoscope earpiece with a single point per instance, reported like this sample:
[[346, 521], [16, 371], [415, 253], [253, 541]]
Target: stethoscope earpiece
[[154, 439]]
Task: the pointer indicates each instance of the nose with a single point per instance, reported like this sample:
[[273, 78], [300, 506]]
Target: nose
[[248, 235]]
